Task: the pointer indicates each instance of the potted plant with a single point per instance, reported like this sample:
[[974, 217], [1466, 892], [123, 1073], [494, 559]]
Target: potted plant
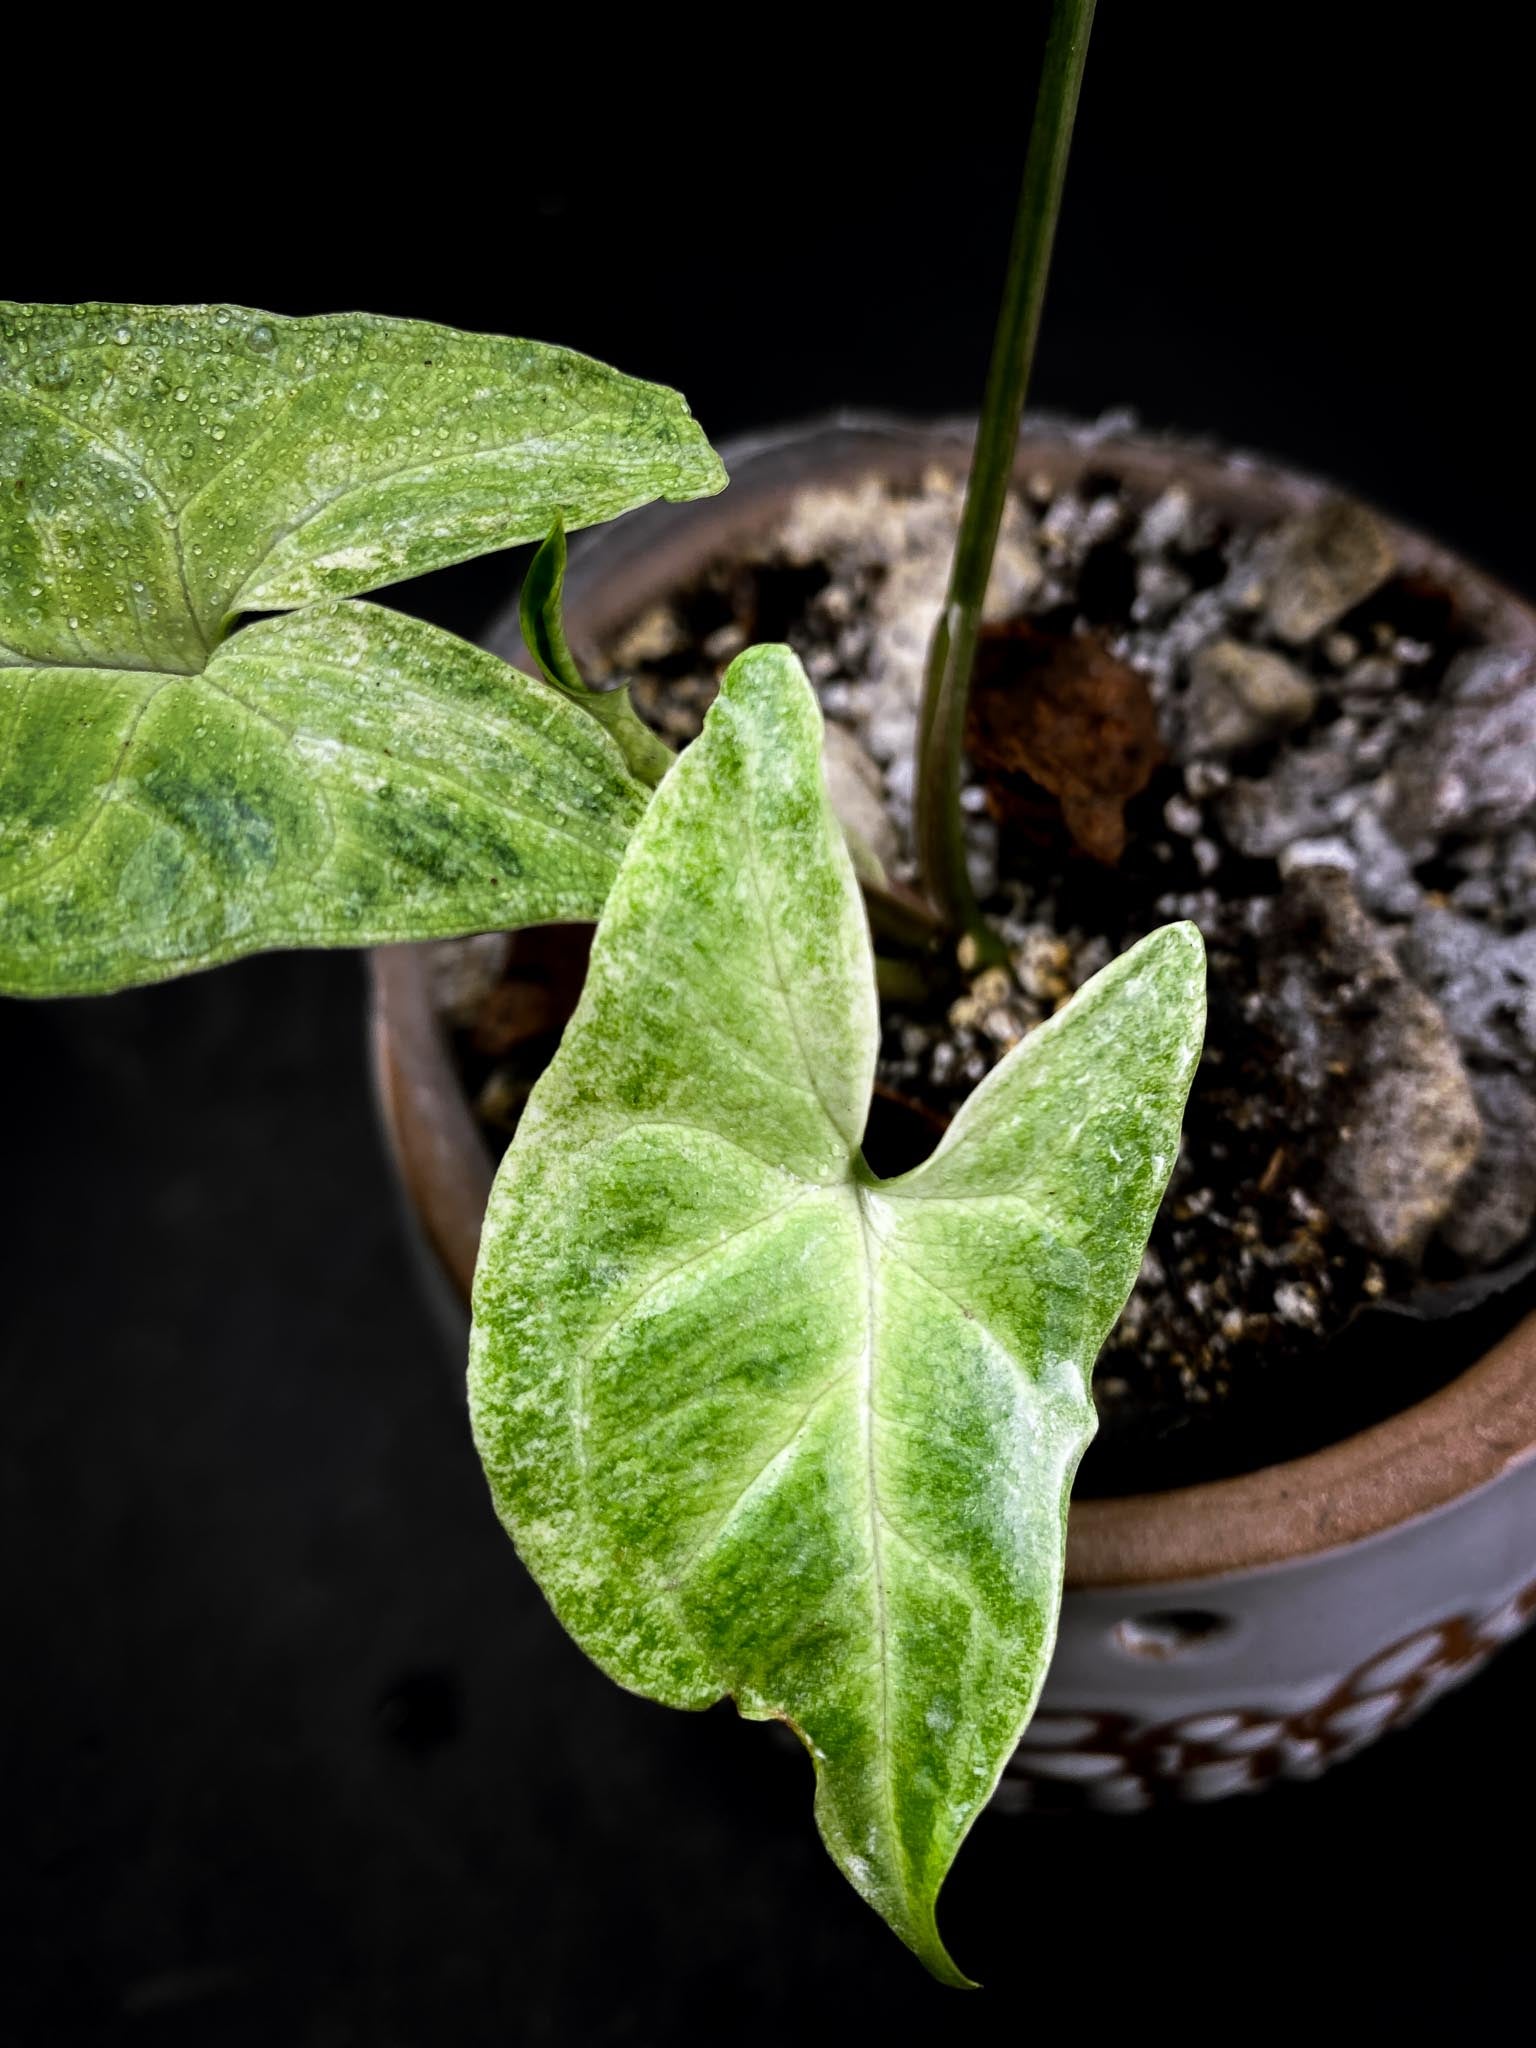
[[766, 1416], [1307, 1512]]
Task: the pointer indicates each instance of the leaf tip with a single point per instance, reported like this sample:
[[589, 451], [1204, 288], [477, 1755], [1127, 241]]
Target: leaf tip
[[1180, 941], [1174, 955], [920, 1931], [1170, 962], [713, 473], [941, 1966], [698, 469], [767, 703], [767, 670], [1189, 935]]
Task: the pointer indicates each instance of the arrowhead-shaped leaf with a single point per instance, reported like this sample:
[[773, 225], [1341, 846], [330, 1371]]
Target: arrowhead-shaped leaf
[[762, 1424], [164, 469]]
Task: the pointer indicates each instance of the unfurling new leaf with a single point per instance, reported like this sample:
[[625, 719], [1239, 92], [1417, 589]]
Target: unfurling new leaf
[[541, 618], [170, 797], [760, 1423]]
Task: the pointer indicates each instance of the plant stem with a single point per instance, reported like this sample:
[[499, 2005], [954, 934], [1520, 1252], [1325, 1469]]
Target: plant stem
[[952, 653]]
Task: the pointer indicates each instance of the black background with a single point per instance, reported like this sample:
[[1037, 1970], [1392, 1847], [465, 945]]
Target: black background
[[291, 1751]]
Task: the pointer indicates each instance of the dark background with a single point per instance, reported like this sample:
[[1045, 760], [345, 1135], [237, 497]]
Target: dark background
[[292, 1752]]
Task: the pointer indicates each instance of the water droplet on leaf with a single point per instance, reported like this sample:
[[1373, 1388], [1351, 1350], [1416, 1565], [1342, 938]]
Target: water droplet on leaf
[[366, 400]]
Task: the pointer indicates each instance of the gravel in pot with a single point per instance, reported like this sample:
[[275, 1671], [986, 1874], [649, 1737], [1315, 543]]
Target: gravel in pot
[[1371, 1546]]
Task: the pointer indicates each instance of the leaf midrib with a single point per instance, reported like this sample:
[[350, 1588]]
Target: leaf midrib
[[867, 1238]]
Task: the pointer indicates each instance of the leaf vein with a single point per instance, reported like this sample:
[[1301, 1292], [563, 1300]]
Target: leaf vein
[[717, 1529]]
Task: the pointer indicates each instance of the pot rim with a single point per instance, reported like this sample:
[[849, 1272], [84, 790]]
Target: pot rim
[[1452, 1442]]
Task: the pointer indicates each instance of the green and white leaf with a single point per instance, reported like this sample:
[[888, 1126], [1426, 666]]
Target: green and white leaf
[[169, 467], [762, 1424], [337, 776], [165, 469]]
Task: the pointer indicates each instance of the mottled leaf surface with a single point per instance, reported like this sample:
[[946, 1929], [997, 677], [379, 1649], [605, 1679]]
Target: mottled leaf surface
[[762, 1424], [166, 469], [340, 775]]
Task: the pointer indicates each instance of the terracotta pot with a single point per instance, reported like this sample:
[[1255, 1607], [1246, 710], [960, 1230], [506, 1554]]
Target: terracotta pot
[[1218, 1636]]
